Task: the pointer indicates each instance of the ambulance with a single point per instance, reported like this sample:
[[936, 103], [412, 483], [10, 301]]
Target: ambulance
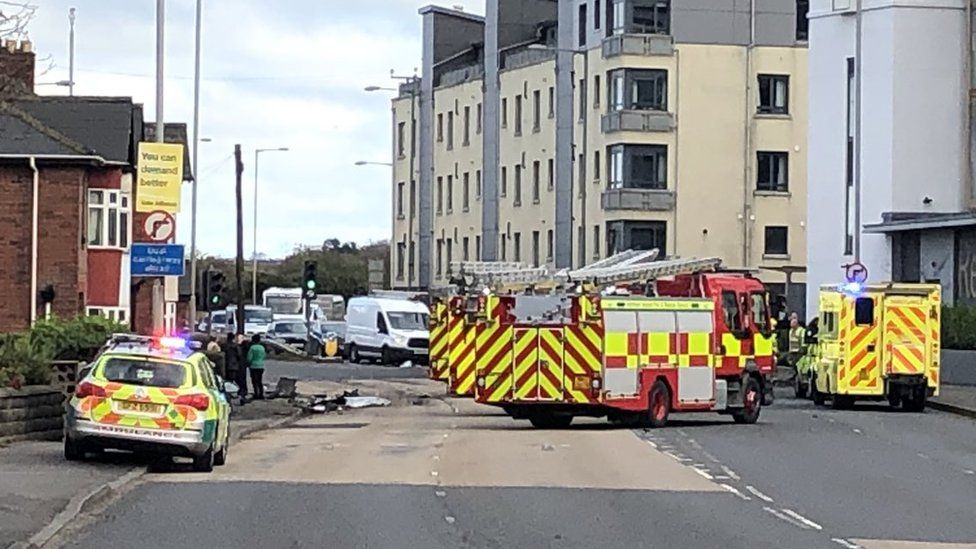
[[878, 342]]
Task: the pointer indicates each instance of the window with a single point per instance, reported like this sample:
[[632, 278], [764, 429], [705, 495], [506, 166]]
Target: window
[[450, 130], [636, 235], [413, 198], [731, 312], [504, 112], [450, 253], [440, 127], [410, 260], [582, 99], [108, 219], [467, 127], [518, 185], [596, 92], [849, 198], [413, 138], [518, 115], [774, 94], [535, 248], [504, 248], [549, 243], [551, 175], [864, 311], [637, 167], [596, 242], [596, 165], [596, 14], [399, 200], [536, 111], [401, 136], [552, 101], [517, 247], [478, 119], [772, 173], [536, 168], [477, 184], [581, 177], [450, 193], [477, 248], [616, 20], [440, 195], [401, 251], [466, 190], [581, 25], [118, 314], [464, 248], [644, 90], [802, 24], [503, 188], [581, 246], [440, 256], [777, 240], [652, 17]]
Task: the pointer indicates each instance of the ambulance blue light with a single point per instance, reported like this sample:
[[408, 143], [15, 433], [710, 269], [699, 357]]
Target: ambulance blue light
[[852, 288]]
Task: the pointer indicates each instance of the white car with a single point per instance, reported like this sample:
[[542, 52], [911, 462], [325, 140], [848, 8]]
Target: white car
[[391, 330], [257, 319]]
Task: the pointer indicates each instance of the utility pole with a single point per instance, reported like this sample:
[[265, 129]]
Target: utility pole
[[196, 167], [159, 284], [239, 177]]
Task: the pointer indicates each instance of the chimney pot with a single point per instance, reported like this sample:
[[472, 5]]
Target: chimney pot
[[10, 45], [26, 46]]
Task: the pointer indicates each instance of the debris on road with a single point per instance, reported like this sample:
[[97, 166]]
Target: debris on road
[[366, 402], [321, 404]]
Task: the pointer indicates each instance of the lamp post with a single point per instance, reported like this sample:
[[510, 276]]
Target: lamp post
[[196, 166], [413, 82], [254, 267], [584, 112], [367, 163]]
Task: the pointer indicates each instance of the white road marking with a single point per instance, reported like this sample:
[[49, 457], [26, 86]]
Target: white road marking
[[677, 457], [969, 472], [785, 518], [702, 472], [803, 519], [736, 492], [731, 473], [699, 465], [759, 494], [858, 431], [440, 494], [651, 443], [722, 477], [449, 519], [846, 543], [923, 456]]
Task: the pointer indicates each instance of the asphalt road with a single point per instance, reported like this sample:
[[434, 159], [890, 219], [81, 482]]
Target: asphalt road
[[453, 474], [337, 371]]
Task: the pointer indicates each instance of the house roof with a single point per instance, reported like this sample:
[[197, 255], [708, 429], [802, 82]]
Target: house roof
[[894, 222], [21, 134]]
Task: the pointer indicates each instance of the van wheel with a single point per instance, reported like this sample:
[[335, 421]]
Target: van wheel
[[354, 354], [751, 402], [385, 357], [204, 463], [658, 405]]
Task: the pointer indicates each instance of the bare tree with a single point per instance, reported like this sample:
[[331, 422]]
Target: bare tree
[[14, 18]]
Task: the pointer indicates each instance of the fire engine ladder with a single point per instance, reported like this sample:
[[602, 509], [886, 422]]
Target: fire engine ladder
[[635, 272], [500, 275]]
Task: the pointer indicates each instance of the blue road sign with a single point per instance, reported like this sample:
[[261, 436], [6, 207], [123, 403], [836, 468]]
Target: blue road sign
[[157, 260]]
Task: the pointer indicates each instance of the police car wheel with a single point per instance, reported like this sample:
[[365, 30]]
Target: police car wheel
[[221, 457], [204, 463], [72, 450]]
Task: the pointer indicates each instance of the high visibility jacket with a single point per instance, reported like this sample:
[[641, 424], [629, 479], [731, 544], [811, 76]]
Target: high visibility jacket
[[796, 339]]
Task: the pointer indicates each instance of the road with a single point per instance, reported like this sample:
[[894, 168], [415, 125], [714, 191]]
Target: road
[[337, 371], [451, 473]]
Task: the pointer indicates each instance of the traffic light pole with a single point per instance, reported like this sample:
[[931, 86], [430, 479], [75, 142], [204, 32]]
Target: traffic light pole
[[239, 169]]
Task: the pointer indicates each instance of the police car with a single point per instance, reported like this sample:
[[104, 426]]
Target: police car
[[150, 395]]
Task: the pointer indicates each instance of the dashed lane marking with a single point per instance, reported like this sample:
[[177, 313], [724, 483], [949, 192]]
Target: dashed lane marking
[[845, 543], [759, 494], [785, 518], [731, 473], [440, 493], [703, 473], [803, 519], [735, 491], [651, 443]]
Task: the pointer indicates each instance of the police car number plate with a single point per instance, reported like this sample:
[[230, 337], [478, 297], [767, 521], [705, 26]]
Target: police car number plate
[[141, 407]]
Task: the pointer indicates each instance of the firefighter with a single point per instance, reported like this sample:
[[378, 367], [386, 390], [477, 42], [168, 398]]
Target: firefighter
[[797, 339], [809, 358]]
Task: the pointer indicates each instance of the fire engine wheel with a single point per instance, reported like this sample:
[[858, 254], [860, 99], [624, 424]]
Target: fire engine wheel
[[547, 420], [751, 402], [658, 405]]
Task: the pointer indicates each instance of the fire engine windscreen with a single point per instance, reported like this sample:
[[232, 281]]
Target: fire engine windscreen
[[148, 373], [542, 308]]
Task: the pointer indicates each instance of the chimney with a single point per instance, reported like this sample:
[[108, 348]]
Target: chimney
[[16, 68]]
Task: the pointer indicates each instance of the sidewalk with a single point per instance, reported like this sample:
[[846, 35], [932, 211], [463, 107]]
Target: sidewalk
[[957, 399]]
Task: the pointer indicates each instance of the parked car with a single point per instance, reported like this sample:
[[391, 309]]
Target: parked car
[[150, 395], [215, 323], [290, 332], [390, 330]]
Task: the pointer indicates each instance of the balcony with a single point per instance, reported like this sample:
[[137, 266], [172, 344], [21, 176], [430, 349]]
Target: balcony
[[638, 44], [644, 200], [637, 121]]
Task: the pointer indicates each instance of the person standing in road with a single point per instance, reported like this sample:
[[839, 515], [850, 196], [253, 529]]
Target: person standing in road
[[243, 347], [232, 361], [255, 359]]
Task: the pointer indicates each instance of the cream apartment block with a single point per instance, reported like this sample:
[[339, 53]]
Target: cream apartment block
[[558, 132]]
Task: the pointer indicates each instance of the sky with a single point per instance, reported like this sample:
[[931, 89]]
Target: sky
[[275, 73]]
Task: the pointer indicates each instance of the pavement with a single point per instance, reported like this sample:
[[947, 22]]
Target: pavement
[[958, 399], [433, 473]]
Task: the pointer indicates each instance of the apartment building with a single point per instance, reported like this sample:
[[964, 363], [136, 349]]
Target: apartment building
[[556, 133]]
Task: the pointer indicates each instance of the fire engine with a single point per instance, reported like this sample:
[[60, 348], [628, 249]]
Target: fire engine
[[624, 338]]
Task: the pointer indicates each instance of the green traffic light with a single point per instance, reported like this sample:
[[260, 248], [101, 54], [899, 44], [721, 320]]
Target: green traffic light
[[215, 300], [310, 284]]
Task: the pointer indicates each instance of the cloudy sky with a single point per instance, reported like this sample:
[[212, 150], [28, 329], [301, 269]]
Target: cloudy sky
[[276, 73]]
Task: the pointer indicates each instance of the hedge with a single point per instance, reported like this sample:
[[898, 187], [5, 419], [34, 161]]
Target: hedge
[[959, 328]]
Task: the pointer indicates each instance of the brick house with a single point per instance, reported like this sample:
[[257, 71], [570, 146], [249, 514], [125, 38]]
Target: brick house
[[77, 155]]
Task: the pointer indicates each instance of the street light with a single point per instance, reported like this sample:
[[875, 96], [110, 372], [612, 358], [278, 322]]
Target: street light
[[254, 270], [367, 163], [378, 88]]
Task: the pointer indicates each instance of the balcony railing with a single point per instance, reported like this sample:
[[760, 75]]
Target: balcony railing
[[644, 200], [637, 121], [638, 44]]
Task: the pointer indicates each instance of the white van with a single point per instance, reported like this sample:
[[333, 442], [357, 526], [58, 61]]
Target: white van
[[391, 330]]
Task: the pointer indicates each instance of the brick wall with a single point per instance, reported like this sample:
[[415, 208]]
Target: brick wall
[[61, 250], [16, 68]]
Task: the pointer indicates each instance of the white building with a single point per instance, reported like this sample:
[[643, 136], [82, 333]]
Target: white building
[[889, 176]]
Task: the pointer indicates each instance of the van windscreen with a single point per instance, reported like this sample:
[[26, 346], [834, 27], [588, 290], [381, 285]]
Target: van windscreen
[[408, 321]]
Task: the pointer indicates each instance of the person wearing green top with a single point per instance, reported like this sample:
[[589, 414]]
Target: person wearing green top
[[255, 361]]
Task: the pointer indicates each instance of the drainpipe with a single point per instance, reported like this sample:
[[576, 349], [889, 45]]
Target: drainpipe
[[34, 243], [971, 101], [747, 147]]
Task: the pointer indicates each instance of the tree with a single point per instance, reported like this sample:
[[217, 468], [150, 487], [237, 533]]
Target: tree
[[14, 18]]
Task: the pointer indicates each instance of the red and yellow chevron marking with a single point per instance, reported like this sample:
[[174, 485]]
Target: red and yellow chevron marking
[[863, 371], [525, 358], [494, 362], [103, 410], [550, 382], [905, 335], [438, 343], [461, 360], [582, 360]]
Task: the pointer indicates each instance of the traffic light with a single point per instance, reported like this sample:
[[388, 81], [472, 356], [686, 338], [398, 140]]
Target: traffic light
[[309, 278], [214, 289]]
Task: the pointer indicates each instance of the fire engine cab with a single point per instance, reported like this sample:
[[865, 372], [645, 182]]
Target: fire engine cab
[[626, 338]]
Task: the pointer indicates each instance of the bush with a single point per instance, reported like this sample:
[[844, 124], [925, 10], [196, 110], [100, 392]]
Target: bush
[[77, 339], [23, 361], [959, 327]]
